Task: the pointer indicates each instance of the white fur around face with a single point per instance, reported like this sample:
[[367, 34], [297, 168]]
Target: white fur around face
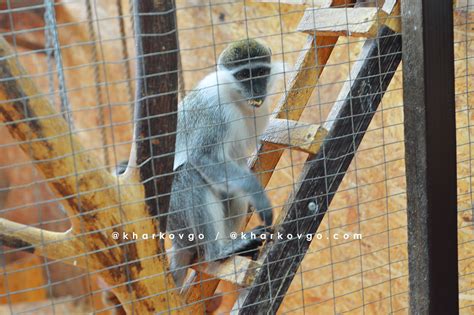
[[246, 123]]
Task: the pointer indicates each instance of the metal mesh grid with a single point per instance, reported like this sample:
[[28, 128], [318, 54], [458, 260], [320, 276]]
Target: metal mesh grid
[[463, 41], [81, 56]]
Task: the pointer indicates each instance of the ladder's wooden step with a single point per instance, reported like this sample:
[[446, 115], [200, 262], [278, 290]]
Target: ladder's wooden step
[[358, 22], [237, 270], [392, 9], [294, 135]]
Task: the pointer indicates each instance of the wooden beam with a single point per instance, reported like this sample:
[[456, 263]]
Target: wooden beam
[[393, 10], [294, 135], [307, 70], [389, 6], [465, 5], [355, 22], [237, 270], [198, 290], [323, 172], [156, 102], [430, 142], [205, 277]]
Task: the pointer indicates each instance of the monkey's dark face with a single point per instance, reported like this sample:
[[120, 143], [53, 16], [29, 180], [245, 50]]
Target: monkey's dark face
[[249, 61], [254, 81]]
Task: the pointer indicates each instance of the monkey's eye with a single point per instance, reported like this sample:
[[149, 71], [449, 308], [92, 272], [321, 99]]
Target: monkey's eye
[[260, 72], [242, 74]]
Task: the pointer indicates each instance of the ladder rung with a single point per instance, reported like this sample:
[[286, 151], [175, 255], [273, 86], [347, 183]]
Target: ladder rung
[[237, 270], [294, 135], [358, 22]]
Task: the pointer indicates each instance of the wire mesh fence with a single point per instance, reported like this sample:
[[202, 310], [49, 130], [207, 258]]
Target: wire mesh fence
[[88, 129], [463, 40]]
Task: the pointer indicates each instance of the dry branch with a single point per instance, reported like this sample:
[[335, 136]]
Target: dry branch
[[55, 245]]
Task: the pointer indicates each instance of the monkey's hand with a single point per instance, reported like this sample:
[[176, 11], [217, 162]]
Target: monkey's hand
[[262, 206]]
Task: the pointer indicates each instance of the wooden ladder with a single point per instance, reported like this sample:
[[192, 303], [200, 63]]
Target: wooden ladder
[[330, 146]]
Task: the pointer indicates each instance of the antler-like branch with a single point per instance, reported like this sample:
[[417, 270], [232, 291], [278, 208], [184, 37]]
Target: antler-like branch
[[137, 270], [55, 245]]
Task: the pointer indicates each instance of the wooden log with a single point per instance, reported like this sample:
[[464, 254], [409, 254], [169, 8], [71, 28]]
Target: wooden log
[[25, 15], [95, 203], [46, 137], [323, 172]]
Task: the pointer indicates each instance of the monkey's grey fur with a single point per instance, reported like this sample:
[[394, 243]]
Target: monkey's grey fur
[[218, 128]]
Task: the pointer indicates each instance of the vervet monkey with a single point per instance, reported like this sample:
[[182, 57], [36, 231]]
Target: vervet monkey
[[219, 124]]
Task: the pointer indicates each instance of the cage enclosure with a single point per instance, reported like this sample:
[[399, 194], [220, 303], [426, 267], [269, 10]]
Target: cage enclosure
[[236, 156]]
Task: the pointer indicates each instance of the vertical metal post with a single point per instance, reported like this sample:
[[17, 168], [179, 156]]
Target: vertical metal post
[[430, 142]]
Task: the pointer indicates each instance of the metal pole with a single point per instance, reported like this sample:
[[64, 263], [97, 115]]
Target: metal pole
[[430, 146]]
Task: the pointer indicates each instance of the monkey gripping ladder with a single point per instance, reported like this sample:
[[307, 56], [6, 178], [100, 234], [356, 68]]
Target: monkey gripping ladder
[[330, 146]]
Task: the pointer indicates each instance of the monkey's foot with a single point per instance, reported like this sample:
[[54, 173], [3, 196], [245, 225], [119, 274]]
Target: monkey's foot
[[248, 244], [260, 230], [241, 246]]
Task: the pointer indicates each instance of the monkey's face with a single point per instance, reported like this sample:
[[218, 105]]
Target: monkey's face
[[249, 62], [254, 81]]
